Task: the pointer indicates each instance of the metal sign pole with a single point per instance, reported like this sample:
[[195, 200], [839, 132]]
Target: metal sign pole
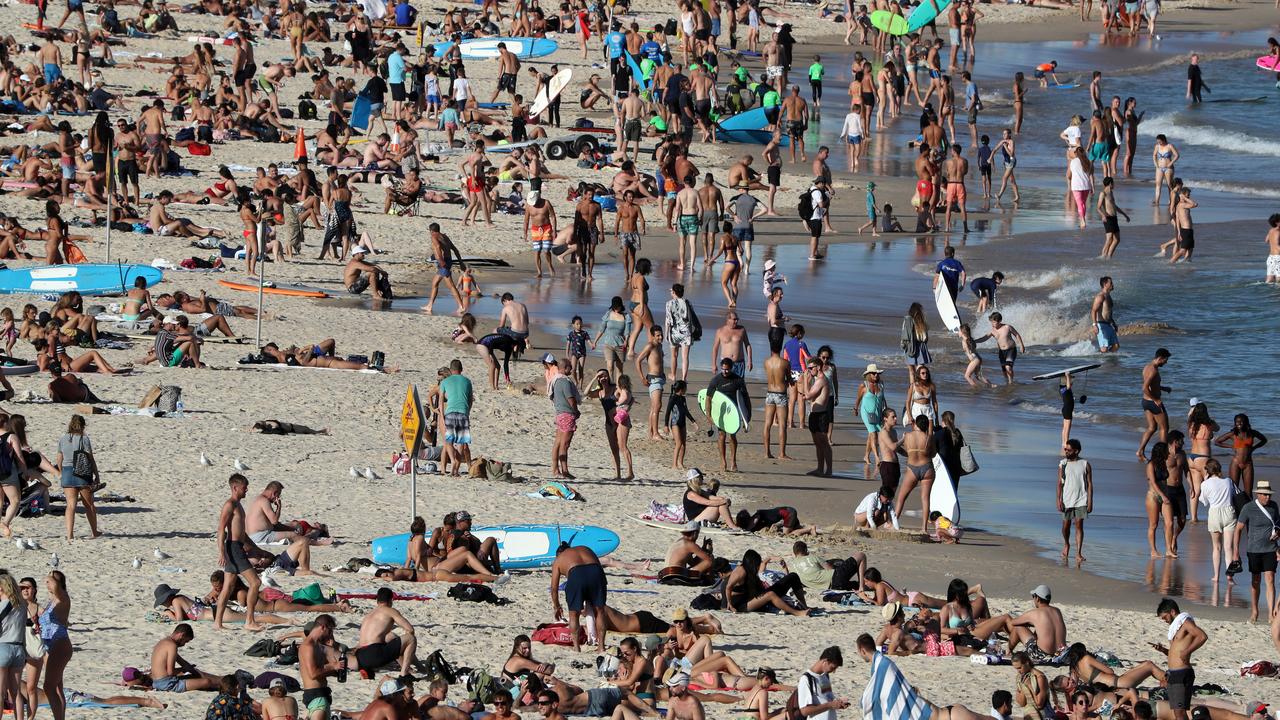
[[260, 241]]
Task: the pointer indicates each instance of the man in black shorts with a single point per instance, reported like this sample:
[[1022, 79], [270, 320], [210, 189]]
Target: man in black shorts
[[819, 394], [1256, 525], [584, 586]]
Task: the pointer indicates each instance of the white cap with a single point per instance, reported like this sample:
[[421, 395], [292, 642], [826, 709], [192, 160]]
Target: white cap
[[548, 359], [1194, 401], [691, 526], [391, 687], [1043, 592], [359, 250], [693, 474]]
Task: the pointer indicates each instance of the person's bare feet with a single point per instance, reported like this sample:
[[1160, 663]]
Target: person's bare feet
[[785, 456], [255, 627]]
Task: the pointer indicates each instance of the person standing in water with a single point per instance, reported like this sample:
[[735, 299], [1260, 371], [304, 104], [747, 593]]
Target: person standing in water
[[1195, 81], [1109, 211], [1186, 229], [1152, 408], [1102, 316], [1273, 249]]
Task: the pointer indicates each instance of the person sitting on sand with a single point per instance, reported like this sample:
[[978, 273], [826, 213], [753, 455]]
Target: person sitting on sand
[[877, 591], [176, 347], [57, 360], [1042, 631], [1089, 670], [701, 502], [421, 566], [687, 561], [380, 645], [897, 637], [263, 521], [967, 621], [745, 592], [179, 607], [360, 274], [269, 598], [819, 574], [170, 672], [461, 537], [593, 702]]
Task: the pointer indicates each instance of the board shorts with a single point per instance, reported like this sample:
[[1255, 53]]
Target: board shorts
[[1262, 562], [956, 193], [1107, 336], [710, 221], [237, 561], [374, 656], [1178, 500], [795, 128], [566, 422], [773, 397], [601, 702], [540, 238], [1187, 239], [773, 71], [631, 130], [1181, 681], [819, 421], [656, 382], [457, 428], [507, 81], [585, 585], [651, 624], [397, 92], [1273, 265], [169, 683], [1007, 357], [689, 224], [1075, 513], [1111, 224], [317, 700], [774, 174], [629, 240], [953, 35], [1222, 518]]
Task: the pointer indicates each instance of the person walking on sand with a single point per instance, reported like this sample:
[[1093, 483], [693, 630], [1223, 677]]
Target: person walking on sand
[[1216, 493], [1152, 408], [1075, 497], [1185, 637], [777, 407], [79, 471], [1256, 523], [1101, 314], [585, 586], [232, 556]]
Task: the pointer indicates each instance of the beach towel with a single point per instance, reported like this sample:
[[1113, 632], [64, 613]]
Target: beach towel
[[889, 696], [1176, 625], [362, 594]]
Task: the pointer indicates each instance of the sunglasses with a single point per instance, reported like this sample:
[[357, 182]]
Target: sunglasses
[[502, 703], [544, 702]]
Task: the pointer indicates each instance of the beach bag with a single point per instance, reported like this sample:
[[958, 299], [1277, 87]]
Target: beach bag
[[82, 463], [440, 669], [306, 110], [197, 148], [498, 470], [478, 470], [705, 601], [695, 325], [1260, 668], [401, 464], [34, 645], [805, 207], [482, 686], [935, 648], [170, 396], [557, 634], [264, 647], [967, 463], [792, 710]]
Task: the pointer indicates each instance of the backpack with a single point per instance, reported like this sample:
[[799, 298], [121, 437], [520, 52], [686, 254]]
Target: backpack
[[475, 592], [791, 711], [481, 686], [805, 207], [306, 110], [384, 287], [440, 669], [695, 325], [265, 647]]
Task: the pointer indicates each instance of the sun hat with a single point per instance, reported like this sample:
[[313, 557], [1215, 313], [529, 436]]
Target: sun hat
[[872, 369], [164, 594], [890, 610]]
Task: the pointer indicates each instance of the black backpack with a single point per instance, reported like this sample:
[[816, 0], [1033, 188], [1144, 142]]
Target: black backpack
[[805, 208], [306, 110], [475, 592]]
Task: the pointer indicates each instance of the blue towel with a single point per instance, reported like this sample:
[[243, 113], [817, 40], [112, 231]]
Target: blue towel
[[889, 696]]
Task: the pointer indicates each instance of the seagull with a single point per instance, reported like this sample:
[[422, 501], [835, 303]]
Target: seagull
[[204, 460], [161, 555], [241, 466], [137, 563], [354, 473], [370, 474], [32, 544], [22, 544], [54, 562]]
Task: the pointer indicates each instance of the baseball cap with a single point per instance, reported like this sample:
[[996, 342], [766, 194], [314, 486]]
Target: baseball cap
[[691, 526], [693, 474], [275, 683], [548, 359], [678, 679], [393, 686], [462, 515], [359, 250], [1043, 592], [130, 674]]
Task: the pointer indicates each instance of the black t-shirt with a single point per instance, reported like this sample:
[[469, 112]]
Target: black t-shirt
[[1193, 74], [622, 78], [375, 89], [729, 385], [673, 86]]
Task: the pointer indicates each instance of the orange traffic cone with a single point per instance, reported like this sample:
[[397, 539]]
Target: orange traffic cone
[[300, 148]]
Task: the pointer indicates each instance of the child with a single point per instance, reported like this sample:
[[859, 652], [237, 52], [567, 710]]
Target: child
[[947, 531], [1044, 70], [984, 165], [575, 348], [449, 120], [1005, 336], [432, 83], [889, 223], [816, 72], [796, 352], [871, 211], [677, 416], [622, 417], [469, 289], [8, 330], [975, 360], [772, 278]]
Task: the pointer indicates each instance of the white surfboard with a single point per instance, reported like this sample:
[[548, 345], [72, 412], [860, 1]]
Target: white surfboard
[[550, 91], [946, 307], [679, 527], [1073, 370], [942, 497]]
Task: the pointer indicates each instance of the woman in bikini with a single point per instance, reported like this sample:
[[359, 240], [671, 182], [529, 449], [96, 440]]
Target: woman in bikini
[[635, 671], [922, 396], [69, 312], [623, 400], [520, 662], [877, 591], [1158, 501], [641, 317], [744, 591], [968, 622], [1031, 689], [280, 705], [421, 565], [1243, 441], [180, 608], [268, 600], [731, 271], [57, 360], [1089, 670], [1200, 430], [222, 191]]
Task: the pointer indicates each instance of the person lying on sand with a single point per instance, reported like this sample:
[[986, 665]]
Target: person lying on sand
[[877, 591], [643, 622], [279, 602], [179, 607], [1098, 696], [421, 566], [593, 702], [206, 304], [280, 427]]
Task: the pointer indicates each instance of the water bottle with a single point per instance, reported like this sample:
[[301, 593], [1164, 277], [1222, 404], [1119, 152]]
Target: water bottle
[[177, 411]]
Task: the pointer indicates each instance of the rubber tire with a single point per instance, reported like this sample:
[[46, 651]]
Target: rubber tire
[[557, 150], [586, 144]]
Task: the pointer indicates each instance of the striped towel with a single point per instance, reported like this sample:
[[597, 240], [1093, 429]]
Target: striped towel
[[889, 696]]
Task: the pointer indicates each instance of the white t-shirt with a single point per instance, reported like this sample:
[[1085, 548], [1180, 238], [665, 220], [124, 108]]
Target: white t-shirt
[[1073, 135], [817, 196], [805, 695], [1215, 492], [871, 503], [852, 125], [1080, 180], [1073, 490], [460, 87]]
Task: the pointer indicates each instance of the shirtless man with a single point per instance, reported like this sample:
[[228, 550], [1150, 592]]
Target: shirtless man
[[632, 111], [712, 202], [513, 321], [317, 662], [540, 229], [1186, 231], [731, 343], [395, 701], [1005, 336], [166, 662], [650, 366], [1152, 408], [379, 644], [887, 444], [955, 169], [920, 448], [686, 555], [1273, 249], [688, 204], [445, 254], [777, 407], [772, 156], [681, 703], [1185, 638], [127, 145], [263, 523], [163, 224], [741, 172], [819, 396], [1101, 314], [360, 274], [154, 134], [585, 586], [704, 92], [232, 556], [508, 71], [795, 118], [629, 227], [894, 637], [589, 219], [1042, 631]]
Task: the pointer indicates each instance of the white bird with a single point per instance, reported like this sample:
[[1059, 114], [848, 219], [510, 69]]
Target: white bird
[[354, 473], [137, 563], [54, 562], [22, 544], [370, 474], [161, 555], [32, 544], [204, 460], [241, 466]]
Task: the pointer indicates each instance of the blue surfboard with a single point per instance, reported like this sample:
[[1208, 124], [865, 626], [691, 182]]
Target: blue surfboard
[[86, 279], [637, 73], [752, 119], [487, 48], [360, 112], [519, 546], [925, 13], [756, 137]]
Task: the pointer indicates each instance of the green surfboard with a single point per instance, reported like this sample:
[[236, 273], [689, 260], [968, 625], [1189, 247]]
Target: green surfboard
[[885, 21], [726, 415]]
